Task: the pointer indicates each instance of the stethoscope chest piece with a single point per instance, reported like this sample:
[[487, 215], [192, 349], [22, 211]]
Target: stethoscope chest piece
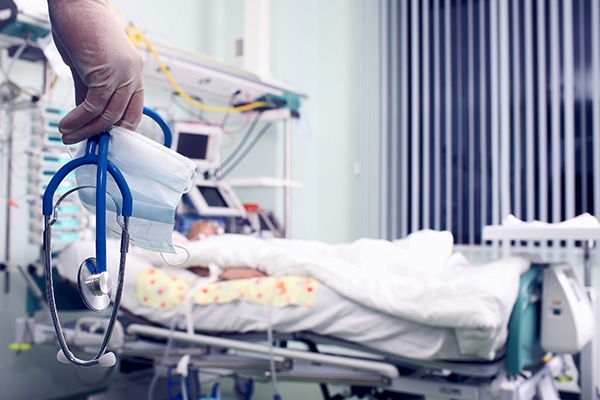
[[94, 287]]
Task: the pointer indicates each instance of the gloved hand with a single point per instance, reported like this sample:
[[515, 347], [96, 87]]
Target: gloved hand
[[106, 68]]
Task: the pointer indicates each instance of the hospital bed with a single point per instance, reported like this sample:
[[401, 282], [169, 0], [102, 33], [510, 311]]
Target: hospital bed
[[363, 351]]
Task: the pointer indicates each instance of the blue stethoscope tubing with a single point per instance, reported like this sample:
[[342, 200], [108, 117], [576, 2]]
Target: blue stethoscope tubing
[[96, 153]]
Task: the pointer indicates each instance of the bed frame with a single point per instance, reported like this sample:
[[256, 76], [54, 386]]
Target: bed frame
[[521, 372]]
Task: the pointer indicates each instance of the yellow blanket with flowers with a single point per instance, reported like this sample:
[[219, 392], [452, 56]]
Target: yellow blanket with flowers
[[159, 289]]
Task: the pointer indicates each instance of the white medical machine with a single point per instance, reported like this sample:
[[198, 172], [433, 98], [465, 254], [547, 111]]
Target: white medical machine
[[199, 142], [48, 154], [577, 316], [215, 199], [567, 318]]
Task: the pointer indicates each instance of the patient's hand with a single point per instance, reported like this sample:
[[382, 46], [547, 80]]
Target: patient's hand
[[230, 274], [233, 273], [202, 271]]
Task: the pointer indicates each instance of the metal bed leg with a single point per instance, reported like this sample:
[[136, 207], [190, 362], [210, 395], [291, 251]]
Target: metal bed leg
[[312, 347], [586, 367]]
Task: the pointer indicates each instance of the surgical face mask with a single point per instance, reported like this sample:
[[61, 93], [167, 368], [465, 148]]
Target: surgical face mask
[[157, 178]]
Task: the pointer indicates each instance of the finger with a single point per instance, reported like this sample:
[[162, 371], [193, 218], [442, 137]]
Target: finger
[[104, 119], [133, 113], [95, 102]]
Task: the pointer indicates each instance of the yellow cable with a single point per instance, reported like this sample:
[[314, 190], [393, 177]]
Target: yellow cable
[[137, 37]]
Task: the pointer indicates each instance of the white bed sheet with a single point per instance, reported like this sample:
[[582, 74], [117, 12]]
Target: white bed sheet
[[332, 314]]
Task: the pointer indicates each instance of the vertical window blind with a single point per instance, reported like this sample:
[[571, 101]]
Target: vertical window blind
[[488, 108]]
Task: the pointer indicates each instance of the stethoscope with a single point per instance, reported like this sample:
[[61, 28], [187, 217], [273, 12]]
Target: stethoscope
[[93, 280]]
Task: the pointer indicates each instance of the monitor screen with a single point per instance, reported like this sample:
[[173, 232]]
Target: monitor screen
[[199, 142], [193, 145], [213, 197]]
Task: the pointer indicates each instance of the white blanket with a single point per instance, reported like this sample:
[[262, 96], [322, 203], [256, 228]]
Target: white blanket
[[417, 278]]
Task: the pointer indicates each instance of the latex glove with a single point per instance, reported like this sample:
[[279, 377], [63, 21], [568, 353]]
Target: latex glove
[[106, 68]]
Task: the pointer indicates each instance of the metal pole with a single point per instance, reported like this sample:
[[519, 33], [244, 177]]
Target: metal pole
[[586, 365], [287, 188], [4, 266], [47, 83]]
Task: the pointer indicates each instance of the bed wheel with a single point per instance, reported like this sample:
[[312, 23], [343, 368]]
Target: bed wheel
[[243, 388]]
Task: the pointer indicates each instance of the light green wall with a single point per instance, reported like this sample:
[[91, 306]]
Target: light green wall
[[315, 47]]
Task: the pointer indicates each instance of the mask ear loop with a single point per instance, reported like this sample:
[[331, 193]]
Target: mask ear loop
[[191, 182], [176, 263]]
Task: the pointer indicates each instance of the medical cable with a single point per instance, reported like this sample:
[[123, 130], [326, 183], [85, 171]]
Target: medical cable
[[187, 305], [246, 151], [15, 57], [239, 147], [270, 339], [242, 127], [189, 112], [156, 375], [137, 37], [185, 309], [230, 103]]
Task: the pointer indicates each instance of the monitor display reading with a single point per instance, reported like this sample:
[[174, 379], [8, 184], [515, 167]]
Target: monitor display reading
[[213, 197], [193, 145]]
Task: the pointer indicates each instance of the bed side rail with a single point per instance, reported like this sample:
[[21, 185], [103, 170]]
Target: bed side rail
[[383, 369]]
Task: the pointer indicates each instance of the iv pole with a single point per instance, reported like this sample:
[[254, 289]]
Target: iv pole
[[4, 265], [8, 97]]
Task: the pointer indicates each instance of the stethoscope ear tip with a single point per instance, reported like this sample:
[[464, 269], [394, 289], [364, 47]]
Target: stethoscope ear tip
[[106, 360], [60, 356]]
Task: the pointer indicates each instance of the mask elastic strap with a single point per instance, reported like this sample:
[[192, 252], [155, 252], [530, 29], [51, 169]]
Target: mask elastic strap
[[177, 263], [191, 182]]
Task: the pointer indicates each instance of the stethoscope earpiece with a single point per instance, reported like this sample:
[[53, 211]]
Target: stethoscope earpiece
[[106, 360]]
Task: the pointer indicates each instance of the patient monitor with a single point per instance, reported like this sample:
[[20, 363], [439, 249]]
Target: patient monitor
[[215, 199], [567, 319], [199, 142]]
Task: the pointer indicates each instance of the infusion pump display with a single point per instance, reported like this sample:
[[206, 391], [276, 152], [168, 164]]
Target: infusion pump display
[[215, 199], [199, 142]]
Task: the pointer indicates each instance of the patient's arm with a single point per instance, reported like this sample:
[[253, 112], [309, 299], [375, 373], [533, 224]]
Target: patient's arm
[[230, 274], [203, 228], [240, 273]]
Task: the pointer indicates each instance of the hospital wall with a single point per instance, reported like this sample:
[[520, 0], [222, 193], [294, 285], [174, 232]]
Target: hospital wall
[[314, 47]]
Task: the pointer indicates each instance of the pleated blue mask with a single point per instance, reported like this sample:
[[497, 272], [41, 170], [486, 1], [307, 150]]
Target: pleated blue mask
[[157, 177]]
